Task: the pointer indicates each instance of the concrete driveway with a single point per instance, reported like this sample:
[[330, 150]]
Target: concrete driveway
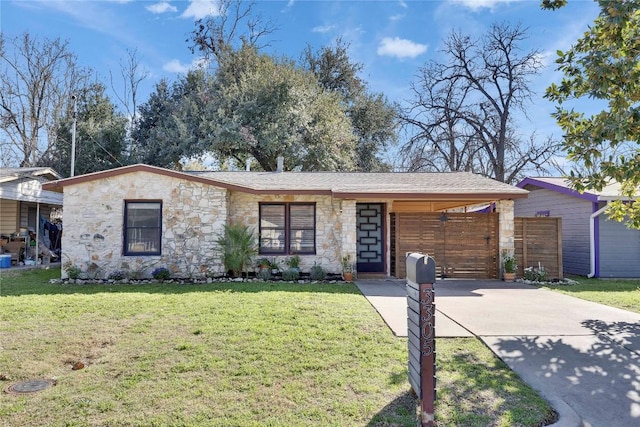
[[583, 357]]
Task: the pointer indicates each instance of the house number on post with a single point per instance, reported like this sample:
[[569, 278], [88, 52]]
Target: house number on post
[[421, 277]]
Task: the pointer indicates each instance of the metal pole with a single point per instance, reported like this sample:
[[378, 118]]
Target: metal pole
[[35, 256], [73, 135]]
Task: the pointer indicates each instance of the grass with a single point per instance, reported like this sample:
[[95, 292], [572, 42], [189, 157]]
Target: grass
[[624, 294], [234, 354]]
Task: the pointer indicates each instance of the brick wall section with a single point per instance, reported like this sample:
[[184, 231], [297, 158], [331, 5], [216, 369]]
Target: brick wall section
[[330, 225], [193, 215]]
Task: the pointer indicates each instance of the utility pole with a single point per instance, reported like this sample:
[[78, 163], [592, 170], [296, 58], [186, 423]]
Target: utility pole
[[73, 134]]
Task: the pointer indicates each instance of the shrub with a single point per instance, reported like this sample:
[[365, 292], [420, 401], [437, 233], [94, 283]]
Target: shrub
[[161, 274], [73, 271], [264, 274], [118, 275], [535, 274], [317, 273], [238, 246], [291, 275], [509, 262], [294, 261]]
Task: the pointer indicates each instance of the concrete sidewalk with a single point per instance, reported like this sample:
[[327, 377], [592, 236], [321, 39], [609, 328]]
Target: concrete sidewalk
[[583, 357]]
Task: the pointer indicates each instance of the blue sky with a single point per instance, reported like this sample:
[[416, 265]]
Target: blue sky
[[392, 39]]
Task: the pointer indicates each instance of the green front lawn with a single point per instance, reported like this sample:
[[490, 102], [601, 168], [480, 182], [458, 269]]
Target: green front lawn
[[624, 294], [233, 354]]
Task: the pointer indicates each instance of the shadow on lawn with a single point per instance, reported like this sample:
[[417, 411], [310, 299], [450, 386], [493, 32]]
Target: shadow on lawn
[[37, 283], [402, 411]]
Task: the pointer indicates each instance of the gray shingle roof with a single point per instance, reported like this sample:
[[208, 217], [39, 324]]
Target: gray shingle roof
[[341, 182], [460, 185]]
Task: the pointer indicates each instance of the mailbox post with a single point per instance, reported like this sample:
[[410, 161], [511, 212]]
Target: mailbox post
[[421, 277]]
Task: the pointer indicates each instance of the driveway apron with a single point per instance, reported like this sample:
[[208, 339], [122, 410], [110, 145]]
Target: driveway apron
[[581, 356]]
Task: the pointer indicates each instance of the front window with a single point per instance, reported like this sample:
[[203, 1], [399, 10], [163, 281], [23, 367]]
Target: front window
[[287, 228], [142, 228]]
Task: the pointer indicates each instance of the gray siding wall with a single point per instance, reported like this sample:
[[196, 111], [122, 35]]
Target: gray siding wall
[[619, 249], [575, 214]]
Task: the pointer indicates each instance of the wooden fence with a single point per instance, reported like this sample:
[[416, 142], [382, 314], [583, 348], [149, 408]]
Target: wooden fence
[[464, 245], [538, 242]]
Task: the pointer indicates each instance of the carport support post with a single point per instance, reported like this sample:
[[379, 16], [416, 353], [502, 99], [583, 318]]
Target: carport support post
[[421, 277]]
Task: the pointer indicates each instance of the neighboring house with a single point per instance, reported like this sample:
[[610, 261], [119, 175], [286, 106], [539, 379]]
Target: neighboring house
[[141, 217], [22, 199], [592, 244]]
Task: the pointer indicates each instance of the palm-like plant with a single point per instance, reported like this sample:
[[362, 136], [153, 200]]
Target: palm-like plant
[[238, 245]]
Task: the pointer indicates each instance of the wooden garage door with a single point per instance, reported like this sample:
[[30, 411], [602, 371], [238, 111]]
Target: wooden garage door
[[463, 245]]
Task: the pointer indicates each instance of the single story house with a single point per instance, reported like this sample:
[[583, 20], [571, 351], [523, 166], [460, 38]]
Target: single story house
[[592, 244], [23, 200], [142, 217]]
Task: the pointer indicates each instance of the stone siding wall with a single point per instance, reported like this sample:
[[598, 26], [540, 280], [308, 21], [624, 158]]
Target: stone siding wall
[[506, 231], [331, 222], [193, 215]]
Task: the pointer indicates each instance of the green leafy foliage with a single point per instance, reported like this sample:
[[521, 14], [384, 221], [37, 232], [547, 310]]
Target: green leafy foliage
[[290, 274], [100, 135], [238, 245], [161, 274], [265, 107], [317, 273], [171, 126], [293, 261], [373, 118], [603, 65]]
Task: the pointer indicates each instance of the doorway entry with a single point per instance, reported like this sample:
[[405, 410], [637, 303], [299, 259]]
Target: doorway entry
[[370, 237]]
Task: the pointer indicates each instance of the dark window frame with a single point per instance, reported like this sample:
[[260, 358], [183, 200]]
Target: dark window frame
[[287, 231], [126, 228]]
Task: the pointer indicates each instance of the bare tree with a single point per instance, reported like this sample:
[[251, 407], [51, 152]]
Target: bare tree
[[132, 74], [461, 117], [37, 77], [236, 25]]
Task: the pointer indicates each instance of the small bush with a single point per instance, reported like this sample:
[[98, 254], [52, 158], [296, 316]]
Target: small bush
[[161, 274], [117, 275], [264, 274], [73, 271], [317, 273], [294, 261], [237, 246], [535, 274], [290, 275]]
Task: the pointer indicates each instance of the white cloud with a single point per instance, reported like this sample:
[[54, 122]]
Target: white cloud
[[322, 28], [175, 66], [400, 48], [199, 9], [161, 7], [479, 4]]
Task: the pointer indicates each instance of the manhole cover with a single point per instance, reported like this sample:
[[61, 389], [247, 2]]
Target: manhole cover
[[29, 386]]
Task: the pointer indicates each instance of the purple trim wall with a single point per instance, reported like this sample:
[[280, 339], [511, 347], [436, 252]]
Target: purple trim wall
[[596, 240], [560, 189]]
